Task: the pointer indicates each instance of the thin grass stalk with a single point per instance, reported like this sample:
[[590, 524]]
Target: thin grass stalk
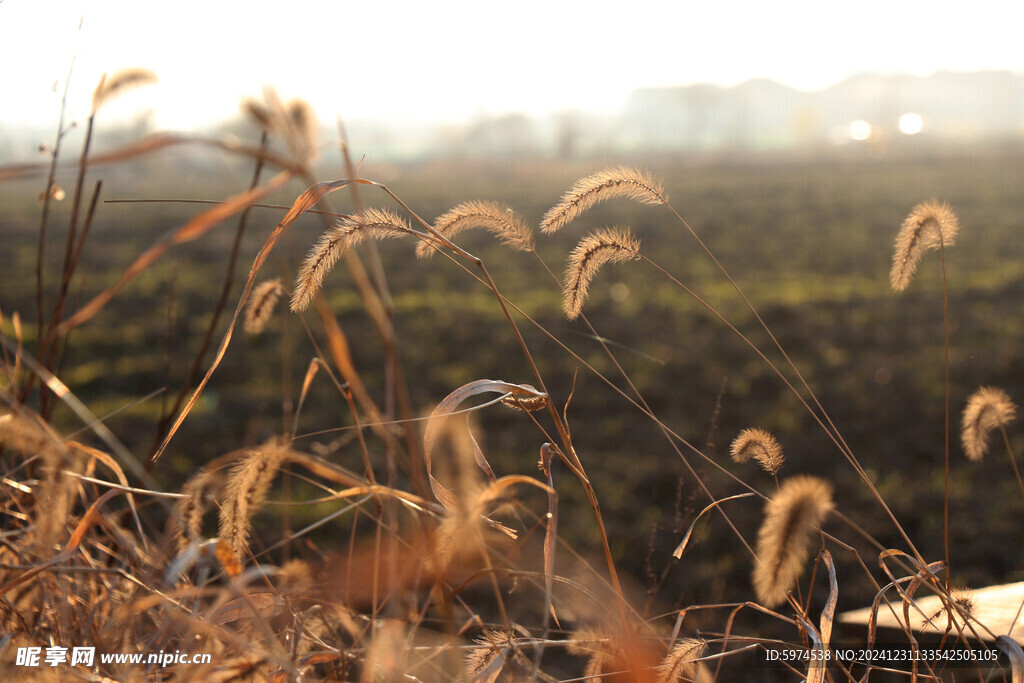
[[90, 214], [1013, 460], [47, 350], [41, 248], [945, 351]]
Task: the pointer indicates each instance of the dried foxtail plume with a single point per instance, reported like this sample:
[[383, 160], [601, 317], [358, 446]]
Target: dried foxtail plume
[[961, 599], [294, 122], [261, 304], [930, 225], [593, 251], [987, 409], [109, 88], [783, 542], [500, 221], [681, 662], [631, 183], [759, 445], [245, 492], [496, 657], [369, 223], [597, 647], [189, 511]]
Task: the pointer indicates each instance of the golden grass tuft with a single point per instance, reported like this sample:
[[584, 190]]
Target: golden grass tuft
[[798, 508], [759, 445], [608, 245], [499, 220], [370, 223], [261, 304], [930, 225], [681, 662], [246, 490], [987, 409], [622, 181]]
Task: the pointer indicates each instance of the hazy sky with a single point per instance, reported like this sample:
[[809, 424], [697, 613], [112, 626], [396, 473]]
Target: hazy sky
[[456, 59]]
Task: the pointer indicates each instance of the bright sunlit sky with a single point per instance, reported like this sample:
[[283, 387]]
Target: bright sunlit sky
[[457, 59]]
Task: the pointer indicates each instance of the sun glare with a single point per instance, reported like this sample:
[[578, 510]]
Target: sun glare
[[860, 129], [911, 124]]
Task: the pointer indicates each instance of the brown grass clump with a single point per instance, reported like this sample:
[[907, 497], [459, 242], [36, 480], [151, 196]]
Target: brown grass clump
[[759, 445], [261, 304], [797, 510], [987, 409], [499, 220], [622, 181], [370, 223], [608, 245], [245, 492], [930, 225], [681, 662]]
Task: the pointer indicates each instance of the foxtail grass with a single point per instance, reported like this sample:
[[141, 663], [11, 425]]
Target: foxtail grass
[[988, 409], [368, 224], [261, 305], [631, 183], [610, 245], [930, 225], [783, 543], [501, 221], [245, 492], [760, 445]]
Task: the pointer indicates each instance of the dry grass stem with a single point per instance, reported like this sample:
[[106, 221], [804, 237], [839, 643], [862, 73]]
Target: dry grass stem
[[370, 223], [499, 220], [261, 304], [246, 490], [759, 445], [783, 542], [609, 245], [622, 181], [930, 225], [987, 409]]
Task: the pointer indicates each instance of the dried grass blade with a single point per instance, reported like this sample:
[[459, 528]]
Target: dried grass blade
[[816, 671], [304, 202], [1015, 654], [828, 613], [447, 406], [678, 552], [551, 533], [307, 382]]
